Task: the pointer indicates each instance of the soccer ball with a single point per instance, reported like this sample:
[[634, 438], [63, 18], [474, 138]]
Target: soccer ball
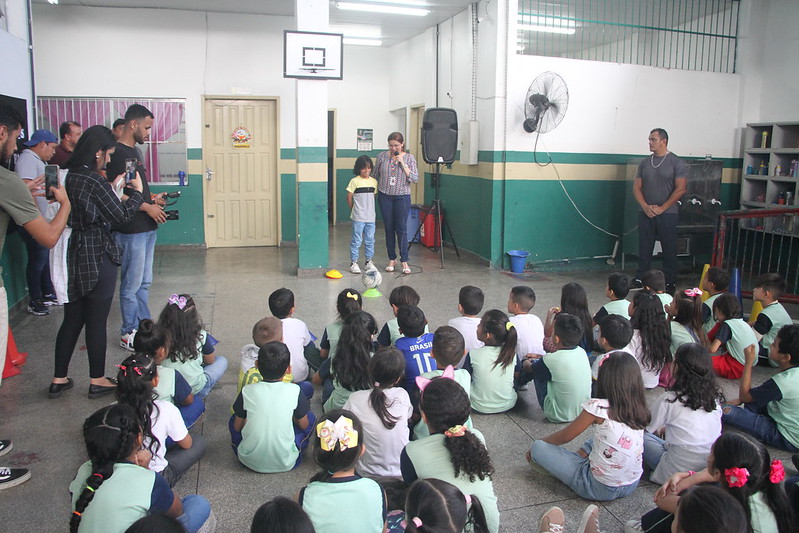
[[371, 279]]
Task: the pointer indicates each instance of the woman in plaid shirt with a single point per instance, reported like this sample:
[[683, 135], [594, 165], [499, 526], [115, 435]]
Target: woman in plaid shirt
[[92, 257]]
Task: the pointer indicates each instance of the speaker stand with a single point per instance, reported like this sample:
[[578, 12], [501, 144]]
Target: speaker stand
[[437, 211]]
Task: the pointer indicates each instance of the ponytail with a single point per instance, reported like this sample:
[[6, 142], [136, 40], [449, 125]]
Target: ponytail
[[435, 505], [135, 389], [110, 435], [386, 368], [477, 516], [497, 323], [689, 313]]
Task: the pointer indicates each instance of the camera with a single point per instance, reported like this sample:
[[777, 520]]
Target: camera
[[173, 194], [172, 214]]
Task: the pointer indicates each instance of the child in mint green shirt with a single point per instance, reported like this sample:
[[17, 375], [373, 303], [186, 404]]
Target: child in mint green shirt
[[492, 365]]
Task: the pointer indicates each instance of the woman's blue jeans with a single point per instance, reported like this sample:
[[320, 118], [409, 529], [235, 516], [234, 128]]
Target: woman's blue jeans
[[395, 211]]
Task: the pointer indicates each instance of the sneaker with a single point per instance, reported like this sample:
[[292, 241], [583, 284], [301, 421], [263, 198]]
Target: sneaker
[[636, 283], [589, 523], [633, 526], [370, 266], [11, 477], [51, 299], [5, 446], [126, 341], [37, 308], [354, 268], [552, 521]]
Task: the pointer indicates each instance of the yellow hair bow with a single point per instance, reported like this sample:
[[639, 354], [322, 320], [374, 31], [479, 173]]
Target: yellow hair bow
[[352, 296], [340, 431]]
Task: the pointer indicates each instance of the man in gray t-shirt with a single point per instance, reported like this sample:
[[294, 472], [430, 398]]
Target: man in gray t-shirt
[[659, 183]]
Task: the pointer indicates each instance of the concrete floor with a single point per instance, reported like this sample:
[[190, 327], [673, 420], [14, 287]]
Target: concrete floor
[[231, 287]]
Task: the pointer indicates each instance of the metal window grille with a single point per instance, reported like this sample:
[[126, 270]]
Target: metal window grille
[[165, 154], [681, 34]]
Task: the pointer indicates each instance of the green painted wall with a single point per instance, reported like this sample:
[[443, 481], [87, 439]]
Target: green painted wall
[[288, 207], [190, 229], [313, 241], [13, 261]]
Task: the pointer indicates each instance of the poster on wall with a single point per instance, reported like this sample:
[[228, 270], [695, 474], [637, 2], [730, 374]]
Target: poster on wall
[[312, 56], [364, 140]]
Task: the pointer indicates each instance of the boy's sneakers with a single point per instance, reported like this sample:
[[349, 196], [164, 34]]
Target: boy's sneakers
[[354, 268], [552, 521], [11, 477], [126, 341], [50, 299], [37, 308], [370, 266], [5, 446]]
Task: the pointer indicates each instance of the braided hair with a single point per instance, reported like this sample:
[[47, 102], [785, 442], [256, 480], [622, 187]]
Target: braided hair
[[135, 388], [445, 405], [111, 435]]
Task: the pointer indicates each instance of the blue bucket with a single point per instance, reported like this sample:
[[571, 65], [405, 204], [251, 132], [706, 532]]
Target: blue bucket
[[518, 258]]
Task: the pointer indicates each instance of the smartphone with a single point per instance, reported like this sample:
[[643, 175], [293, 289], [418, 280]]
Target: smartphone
[[130, 169], [50, 180]]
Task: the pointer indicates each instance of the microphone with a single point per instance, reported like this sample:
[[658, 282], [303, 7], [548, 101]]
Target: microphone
[[396, 153]]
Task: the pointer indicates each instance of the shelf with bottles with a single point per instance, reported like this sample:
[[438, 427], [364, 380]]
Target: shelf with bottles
[[757, 164], [785, 165], [759, 136], [781, 191], [753, 189]]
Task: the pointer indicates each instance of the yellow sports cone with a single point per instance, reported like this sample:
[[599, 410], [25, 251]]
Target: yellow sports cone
[[756, 308], [705, 294]]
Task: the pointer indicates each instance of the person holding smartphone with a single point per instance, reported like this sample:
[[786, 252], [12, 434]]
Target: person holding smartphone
[[92, 258], [136, 237], [30, 165]]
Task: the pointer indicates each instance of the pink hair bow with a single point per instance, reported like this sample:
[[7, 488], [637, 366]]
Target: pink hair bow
[[693, 293], [777, 472], [423, 382], [180, 301], [736, 477], [416, 521]]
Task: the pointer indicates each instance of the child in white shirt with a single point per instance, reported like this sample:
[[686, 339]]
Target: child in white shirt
[[470, 303]]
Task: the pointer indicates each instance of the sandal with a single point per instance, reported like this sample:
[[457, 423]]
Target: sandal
[[390, 267], [405, 268]]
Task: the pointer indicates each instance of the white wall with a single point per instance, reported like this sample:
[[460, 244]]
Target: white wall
[[780, 67], [171, 53], [14, 59], [613, 106]]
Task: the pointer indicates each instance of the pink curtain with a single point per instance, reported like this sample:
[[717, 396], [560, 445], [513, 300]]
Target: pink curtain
[[168, 116], [85, 112]]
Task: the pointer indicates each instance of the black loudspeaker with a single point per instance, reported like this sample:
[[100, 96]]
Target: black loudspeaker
[[439, 135]]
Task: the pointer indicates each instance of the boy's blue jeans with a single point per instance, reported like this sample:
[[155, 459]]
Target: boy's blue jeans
[[760, 425], [362, 232]]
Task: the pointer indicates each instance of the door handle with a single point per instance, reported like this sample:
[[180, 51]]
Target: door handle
[[208, 173]]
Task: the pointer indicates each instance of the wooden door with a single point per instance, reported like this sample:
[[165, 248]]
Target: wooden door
[[240, 184]]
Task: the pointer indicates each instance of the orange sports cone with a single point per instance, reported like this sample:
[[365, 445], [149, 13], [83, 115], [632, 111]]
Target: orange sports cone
[[16, 357], [9, 369]]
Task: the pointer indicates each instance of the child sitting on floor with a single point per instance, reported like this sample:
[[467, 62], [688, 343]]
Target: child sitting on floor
[[529, 328], [654, 281], [414, 344], [617, 289], [770, 410], [399, 296], [272, 419], [266, 330], [608, 465], [470, 303], [448, 349], [736, 336], [562, 378], [768, 289], [716, 282], [295, 334], [492, 366], [192, 350], [651, 337]]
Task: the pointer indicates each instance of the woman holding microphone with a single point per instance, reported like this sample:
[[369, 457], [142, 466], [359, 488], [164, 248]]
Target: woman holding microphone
[[394, 171]]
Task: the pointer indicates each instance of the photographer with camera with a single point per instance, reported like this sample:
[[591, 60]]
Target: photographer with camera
[[136, 238]]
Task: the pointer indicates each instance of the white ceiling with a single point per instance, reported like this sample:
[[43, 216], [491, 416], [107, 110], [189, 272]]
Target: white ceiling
[[391, 28]]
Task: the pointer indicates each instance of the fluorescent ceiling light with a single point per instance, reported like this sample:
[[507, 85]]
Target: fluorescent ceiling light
[[547, 29], [362, 32], [53, 1], [420, 3], [362, 42], [376, 8]]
